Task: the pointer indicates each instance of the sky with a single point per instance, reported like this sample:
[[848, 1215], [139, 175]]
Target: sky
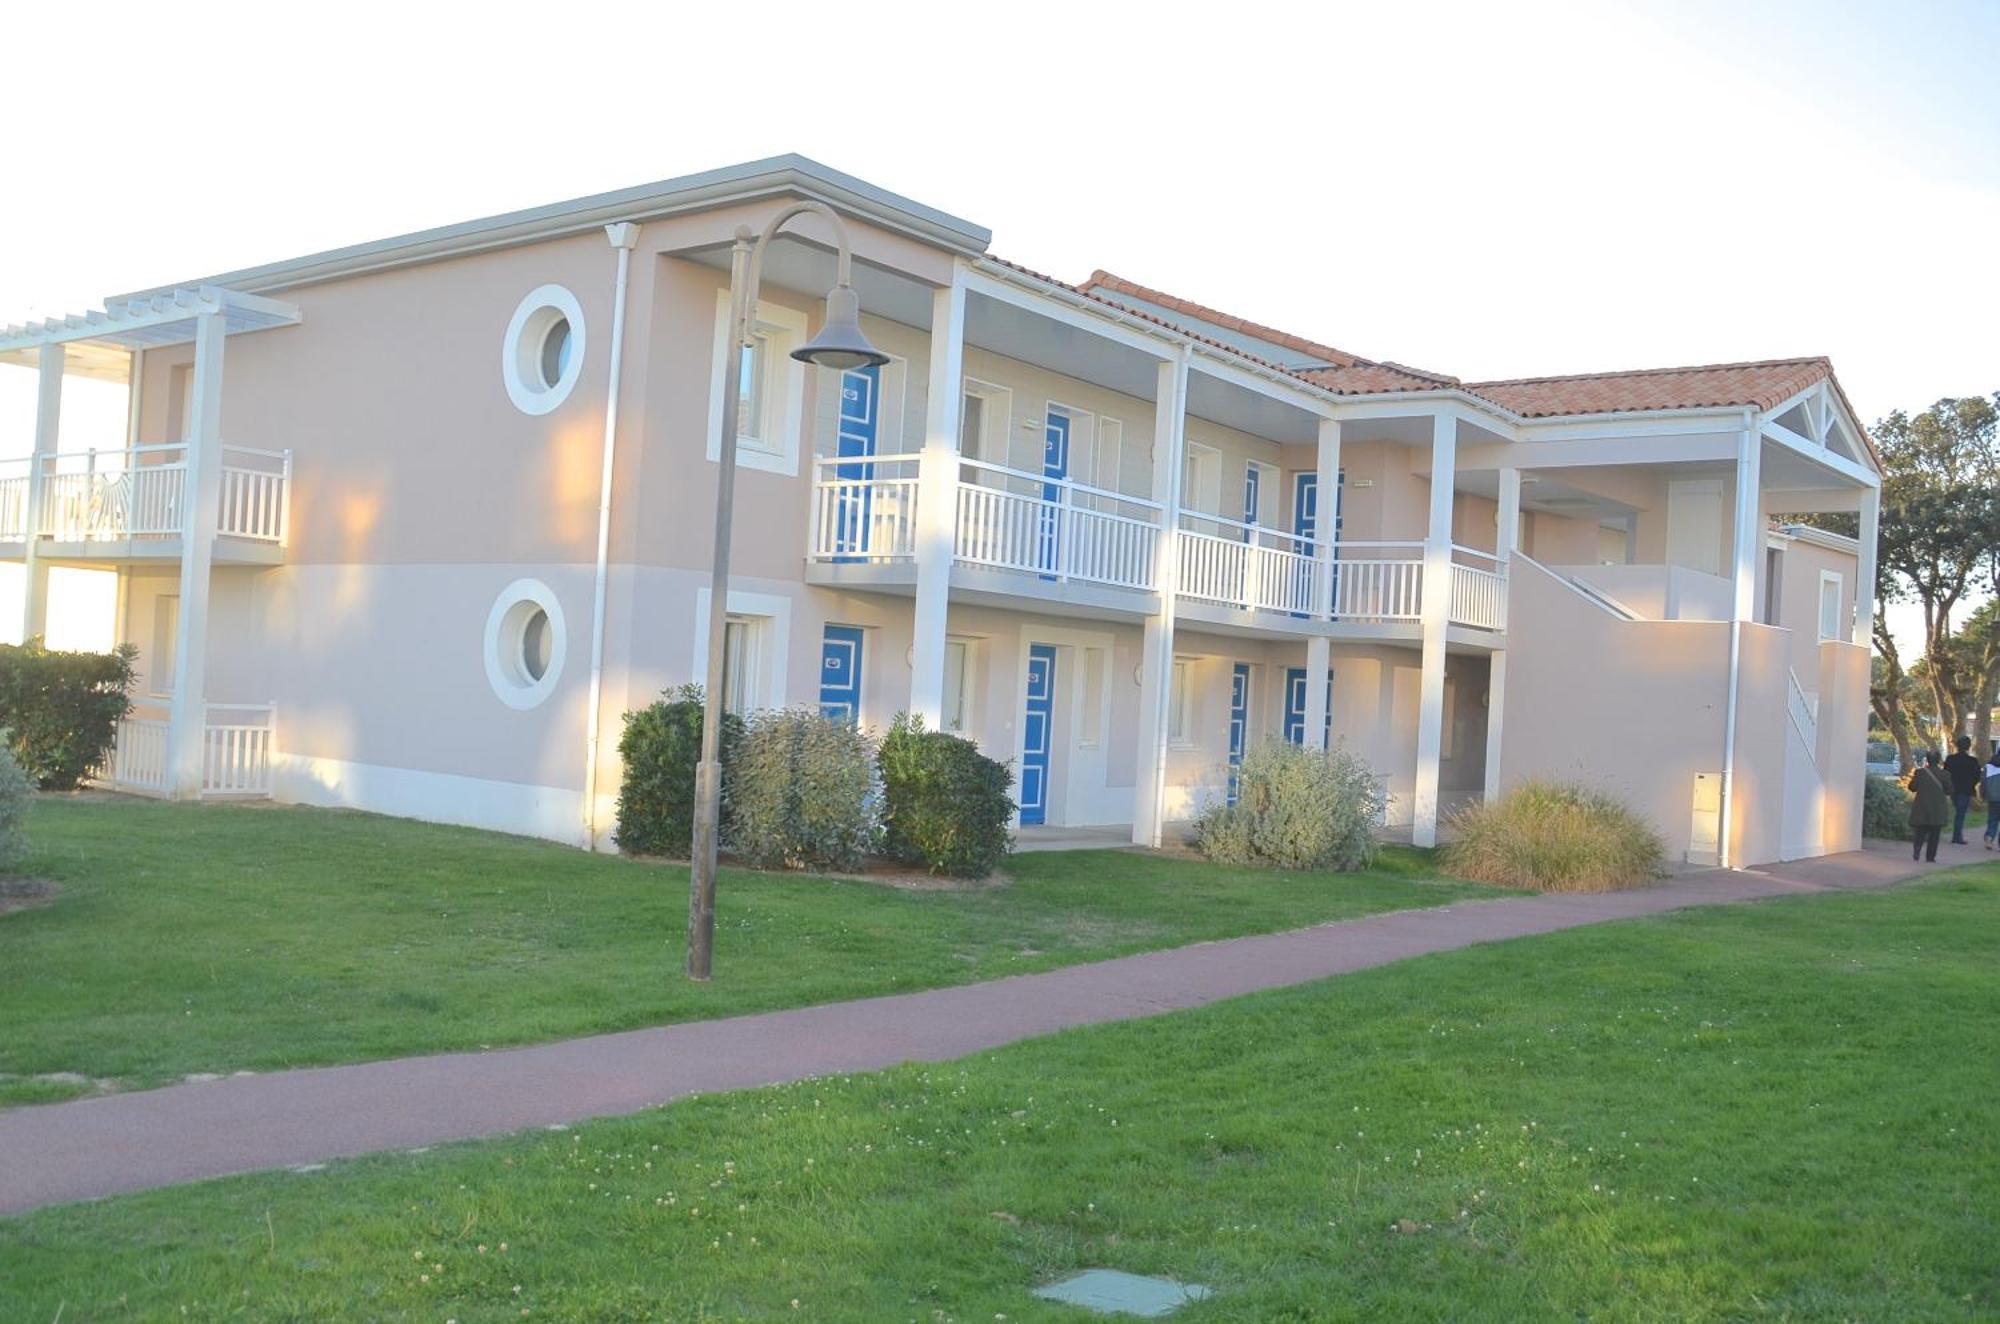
[[1488, 190]]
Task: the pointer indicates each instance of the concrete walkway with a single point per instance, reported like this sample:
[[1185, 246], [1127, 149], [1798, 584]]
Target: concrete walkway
[[126, 1142]]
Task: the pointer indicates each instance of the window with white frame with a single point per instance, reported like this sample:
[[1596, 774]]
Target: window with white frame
[[983, 420], [1831, 587], [769, 386], [1110, 454], [525, 643], [756, 634], [541, 355], [1090, 721], [163, 661], [1201, 479], [957, 669], [1180, 703]]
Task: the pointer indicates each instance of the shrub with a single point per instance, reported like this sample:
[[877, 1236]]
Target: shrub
[[1296, 808], [661, 746], [945, 805], [804, 794], [15, 787], [62, 709], [1554, 837], [1885, 810]]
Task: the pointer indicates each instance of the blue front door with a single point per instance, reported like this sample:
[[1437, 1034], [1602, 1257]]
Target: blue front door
[[1036, 730], [1055, 468], [1239, 720], [840, 673], [1253, 491], [860, 392], [1295, 705], [1305, 516]]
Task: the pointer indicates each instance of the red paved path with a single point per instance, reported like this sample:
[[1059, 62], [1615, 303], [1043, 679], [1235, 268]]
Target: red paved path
[[125, 1142]]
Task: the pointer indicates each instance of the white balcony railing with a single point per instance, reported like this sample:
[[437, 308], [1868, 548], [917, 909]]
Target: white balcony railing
[[865, 511], [141, 493], [865, 508], [1478, 594], [1248, 566], [235, 754], [1056, 528]]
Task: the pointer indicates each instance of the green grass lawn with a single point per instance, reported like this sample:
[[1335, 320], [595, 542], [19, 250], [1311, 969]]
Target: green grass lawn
[[216, 939], [1783, 1111]]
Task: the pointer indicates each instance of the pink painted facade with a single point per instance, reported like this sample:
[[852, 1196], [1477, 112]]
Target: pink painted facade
[[356, 517]]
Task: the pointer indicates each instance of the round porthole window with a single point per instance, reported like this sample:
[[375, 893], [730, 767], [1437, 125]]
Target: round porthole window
[[525, 643], [543, 353]]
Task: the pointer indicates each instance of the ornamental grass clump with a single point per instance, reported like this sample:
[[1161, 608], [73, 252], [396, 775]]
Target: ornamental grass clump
[[1295, 808], [1554, 837], [946, 805], [804, 793]]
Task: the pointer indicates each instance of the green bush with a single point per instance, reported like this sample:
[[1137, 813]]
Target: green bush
[[1296, 808], [15, 788], [804, 794], [1554, 837], [62, 709], [945, 805], [1885, 810], [661, 745]]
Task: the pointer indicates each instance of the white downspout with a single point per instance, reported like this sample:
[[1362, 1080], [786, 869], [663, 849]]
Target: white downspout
[[623, 236], [1748, 476]]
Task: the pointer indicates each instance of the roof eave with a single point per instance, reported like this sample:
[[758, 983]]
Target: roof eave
[[789, 175]]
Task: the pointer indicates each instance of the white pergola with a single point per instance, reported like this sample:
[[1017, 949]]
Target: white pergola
[[106, 344]]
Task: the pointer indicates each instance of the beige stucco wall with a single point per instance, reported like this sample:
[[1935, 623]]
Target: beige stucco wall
[[1637, 709]]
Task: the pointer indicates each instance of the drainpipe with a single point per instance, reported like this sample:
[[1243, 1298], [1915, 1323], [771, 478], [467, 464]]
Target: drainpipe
[[623, 237], [1747, 476]]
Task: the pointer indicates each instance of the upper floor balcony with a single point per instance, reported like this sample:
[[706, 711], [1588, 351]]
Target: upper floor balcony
[[132, 504], [1027, 535]]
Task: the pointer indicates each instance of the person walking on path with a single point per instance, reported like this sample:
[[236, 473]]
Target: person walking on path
[[1931, 809], [1964, 771], [1989, 790]]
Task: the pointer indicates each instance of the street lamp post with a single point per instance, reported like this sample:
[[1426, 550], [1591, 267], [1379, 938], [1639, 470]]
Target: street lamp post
[[839, 346]]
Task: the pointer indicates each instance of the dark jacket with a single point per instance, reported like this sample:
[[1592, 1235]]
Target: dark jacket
[[1963, 769], [1931, 808]]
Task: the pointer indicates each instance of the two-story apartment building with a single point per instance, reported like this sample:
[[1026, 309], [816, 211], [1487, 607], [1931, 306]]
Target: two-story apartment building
[[408, 526]]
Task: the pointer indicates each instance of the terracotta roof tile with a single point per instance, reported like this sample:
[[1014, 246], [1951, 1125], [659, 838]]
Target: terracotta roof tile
[[1102, 282], [1758, 385]]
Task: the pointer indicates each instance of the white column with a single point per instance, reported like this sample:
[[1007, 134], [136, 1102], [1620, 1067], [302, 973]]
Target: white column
[[1436, 621], [1156, 665], [201, 500], [1328, 507], [1864, 570], [937, 499], [1496, 705], [1506, 541], [1748, 530], [48, 426], [1507, 536], [1319, 650]]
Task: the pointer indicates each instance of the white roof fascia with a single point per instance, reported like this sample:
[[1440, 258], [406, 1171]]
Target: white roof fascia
[[789, 175]]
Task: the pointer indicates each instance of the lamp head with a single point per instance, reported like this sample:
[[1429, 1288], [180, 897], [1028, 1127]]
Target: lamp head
[[840, 344]]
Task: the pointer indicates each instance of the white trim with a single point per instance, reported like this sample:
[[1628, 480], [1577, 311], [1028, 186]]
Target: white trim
[[774, 660], [1839, 582], [785, 391], [503, 624], [521, 349], [554, 813]]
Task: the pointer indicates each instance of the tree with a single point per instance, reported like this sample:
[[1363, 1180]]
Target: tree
[[1940, 527]]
